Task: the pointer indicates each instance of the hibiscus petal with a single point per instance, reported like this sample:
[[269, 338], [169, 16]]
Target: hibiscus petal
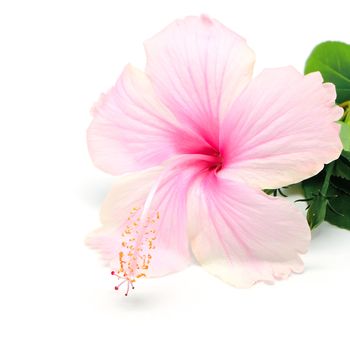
[[198, 67], [244, 236], [159, 191], [131, 128], [281, 129], [128, 191]]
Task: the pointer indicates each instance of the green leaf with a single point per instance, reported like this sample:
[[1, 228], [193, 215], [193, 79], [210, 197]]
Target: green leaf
[[317, 211], [316, 190], [342, 185], [346, 116], [312, 185], [332, 59], [345, 135], [317, 203], [333, 206], [342, 168], [340, 204], [346, 155]]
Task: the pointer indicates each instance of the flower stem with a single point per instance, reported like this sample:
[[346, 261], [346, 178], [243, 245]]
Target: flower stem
[[329, 169]]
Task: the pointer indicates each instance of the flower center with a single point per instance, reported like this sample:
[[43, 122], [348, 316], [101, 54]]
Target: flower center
[[216, 162], [137, 244]]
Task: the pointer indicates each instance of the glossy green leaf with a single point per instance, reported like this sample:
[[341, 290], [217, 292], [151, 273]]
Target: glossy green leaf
[[312, 185], [332, 59], [346, 116], [342, 168], [316, 213], [340, 215], [346, 155], [333, 206], [341, 185], [345, 135]]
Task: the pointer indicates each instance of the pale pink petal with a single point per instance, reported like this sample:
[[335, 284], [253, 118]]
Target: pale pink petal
[[198, 67], [281, 129], [131, 129], [128, 191], [244, 236], [162, 194]]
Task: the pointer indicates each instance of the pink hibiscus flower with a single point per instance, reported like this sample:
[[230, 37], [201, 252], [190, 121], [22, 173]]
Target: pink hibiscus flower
[[198, 140]]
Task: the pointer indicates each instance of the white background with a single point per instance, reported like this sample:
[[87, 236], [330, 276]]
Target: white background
[[56, 57]]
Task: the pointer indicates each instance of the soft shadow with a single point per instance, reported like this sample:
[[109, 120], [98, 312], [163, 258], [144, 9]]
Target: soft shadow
[[93, 193], [138, 300], [311, 268], [141, 302], [148, 299], [322, 232]]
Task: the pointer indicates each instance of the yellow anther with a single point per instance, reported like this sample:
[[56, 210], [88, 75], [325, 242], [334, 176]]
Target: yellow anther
[[135, 258]]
